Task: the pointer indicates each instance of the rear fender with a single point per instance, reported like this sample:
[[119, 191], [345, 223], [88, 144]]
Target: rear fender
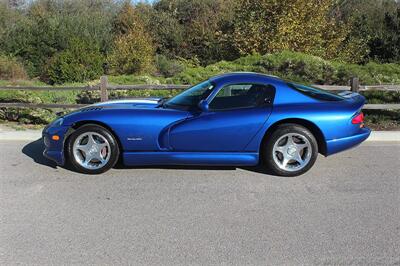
[[331, 119]]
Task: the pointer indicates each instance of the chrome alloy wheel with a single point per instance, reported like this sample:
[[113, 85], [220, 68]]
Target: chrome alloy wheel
[[292, 152], [91, 150]]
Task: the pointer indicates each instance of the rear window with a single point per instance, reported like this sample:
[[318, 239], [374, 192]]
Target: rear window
[[316, 93]]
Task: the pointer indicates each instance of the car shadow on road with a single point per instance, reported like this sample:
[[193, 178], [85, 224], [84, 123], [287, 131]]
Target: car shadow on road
[[257, 169], [120, 166], [35, 150]]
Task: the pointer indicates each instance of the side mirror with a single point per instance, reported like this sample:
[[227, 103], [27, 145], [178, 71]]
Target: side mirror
[[203, 105]]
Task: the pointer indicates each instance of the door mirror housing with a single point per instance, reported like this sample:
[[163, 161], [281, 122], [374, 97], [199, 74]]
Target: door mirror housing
[[203, 105]]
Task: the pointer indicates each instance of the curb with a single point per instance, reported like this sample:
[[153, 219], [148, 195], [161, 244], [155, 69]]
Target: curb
[[31, 135], [21, 135], [384, 136]]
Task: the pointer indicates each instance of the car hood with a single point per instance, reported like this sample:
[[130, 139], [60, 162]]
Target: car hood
[[138, 104], [128, 103], [126, 109]]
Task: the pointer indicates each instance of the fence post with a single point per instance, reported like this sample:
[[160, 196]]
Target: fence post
[[355, 84], [103, 88]]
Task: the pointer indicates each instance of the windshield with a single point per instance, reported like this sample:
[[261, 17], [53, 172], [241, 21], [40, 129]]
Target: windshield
[[190, 98], [316, 93]]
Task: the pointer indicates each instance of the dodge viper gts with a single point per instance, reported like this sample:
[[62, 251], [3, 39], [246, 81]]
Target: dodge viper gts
[[235, 119]]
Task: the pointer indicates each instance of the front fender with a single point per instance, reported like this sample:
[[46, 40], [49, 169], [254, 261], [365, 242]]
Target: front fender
[[136, 129], [54, 149]]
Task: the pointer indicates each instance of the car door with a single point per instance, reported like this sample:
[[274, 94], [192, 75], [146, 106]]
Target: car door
[[236, 113]]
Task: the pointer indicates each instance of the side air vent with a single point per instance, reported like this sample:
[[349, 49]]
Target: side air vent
[[91, 109]]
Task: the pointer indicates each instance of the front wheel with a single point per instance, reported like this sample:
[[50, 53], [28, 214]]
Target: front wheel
[[291, 150], [92, 149]]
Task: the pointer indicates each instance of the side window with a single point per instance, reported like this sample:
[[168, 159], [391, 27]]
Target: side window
[[243, 96]]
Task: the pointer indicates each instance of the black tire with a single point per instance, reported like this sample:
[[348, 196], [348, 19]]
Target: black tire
[[114, 149], [268, 149]]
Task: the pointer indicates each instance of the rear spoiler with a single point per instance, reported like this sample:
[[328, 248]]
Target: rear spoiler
[[348, 94], [355, 99]]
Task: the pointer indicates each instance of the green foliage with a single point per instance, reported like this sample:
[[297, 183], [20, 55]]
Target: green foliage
[[289, 65], [67, 97], [133, 51], [126, 20], [134, 79], [297, 67], [166, 31], [193, 28], [294, 66], [45, 27], [130, 35], [167, 67], [25, 82], [32, 39], [27, 116], [82, 61], [187, 41], [371, 73], [382, 119], [265, 26], [11, 69], [378, 97], [377, 24], [132, 54], [386, 46]]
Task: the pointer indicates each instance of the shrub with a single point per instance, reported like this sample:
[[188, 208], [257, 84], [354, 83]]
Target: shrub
[[376, 97], [382, 119], [81, 61], [133, 79], [88, 97], [11, 69], [167, 67], [298, 67], [132, 54], [27, 116], [309, 68]]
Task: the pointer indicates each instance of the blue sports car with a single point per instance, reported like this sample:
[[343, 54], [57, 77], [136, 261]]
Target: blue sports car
[[235, 119]]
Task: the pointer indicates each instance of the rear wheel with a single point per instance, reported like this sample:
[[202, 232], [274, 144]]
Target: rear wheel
[[92, 149], [291, 150]]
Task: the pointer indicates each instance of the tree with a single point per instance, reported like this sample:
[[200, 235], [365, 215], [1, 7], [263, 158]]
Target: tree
[[267, 26], [82, 61], [126, 20], [194, 28], [46, 27], [376, 22], [133, 51], [386, 46], [166, 32]]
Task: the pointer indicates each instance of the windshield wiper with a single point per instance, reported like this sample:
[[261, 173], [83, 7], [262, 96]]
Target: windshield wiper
[[161, 102]]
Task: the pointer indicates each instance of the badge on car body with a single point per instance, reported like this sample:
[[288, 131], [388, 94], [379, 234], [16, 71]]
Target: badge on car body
[[135, 139]]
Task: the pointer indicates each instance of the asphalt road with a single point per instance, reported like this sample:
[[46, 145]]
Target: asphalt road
[[345, 211]]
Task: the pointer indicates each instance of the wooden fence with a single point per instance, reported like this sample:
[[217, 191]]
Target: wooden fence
[[104, 87]]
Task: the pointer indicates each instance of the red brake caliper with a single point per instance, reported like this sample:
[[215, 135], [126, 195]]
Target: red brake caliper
[[104, 152]]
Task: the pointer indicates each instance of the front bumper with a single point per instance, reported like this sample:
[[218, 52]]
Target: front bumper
[[338, 145], [54, 150]]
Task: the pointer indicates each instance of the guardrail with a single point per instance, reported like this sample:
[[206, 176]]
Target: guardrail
[[104, 87]]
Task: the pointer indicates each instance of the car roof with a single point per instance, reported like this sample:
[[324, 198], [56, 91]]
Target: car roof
[[244, 75]]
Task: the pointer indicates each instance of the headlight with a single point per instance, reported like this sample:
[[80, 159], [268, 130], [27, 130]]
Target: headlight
[[58, 122]]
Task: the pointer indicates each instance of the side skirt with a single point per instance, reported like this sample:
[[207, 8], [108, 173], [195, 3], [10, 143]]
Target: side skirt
[[190, 158]]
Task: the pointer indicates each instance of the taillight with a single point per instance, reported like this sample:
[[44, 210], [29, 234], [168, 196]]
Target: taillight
[[358, 119]]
